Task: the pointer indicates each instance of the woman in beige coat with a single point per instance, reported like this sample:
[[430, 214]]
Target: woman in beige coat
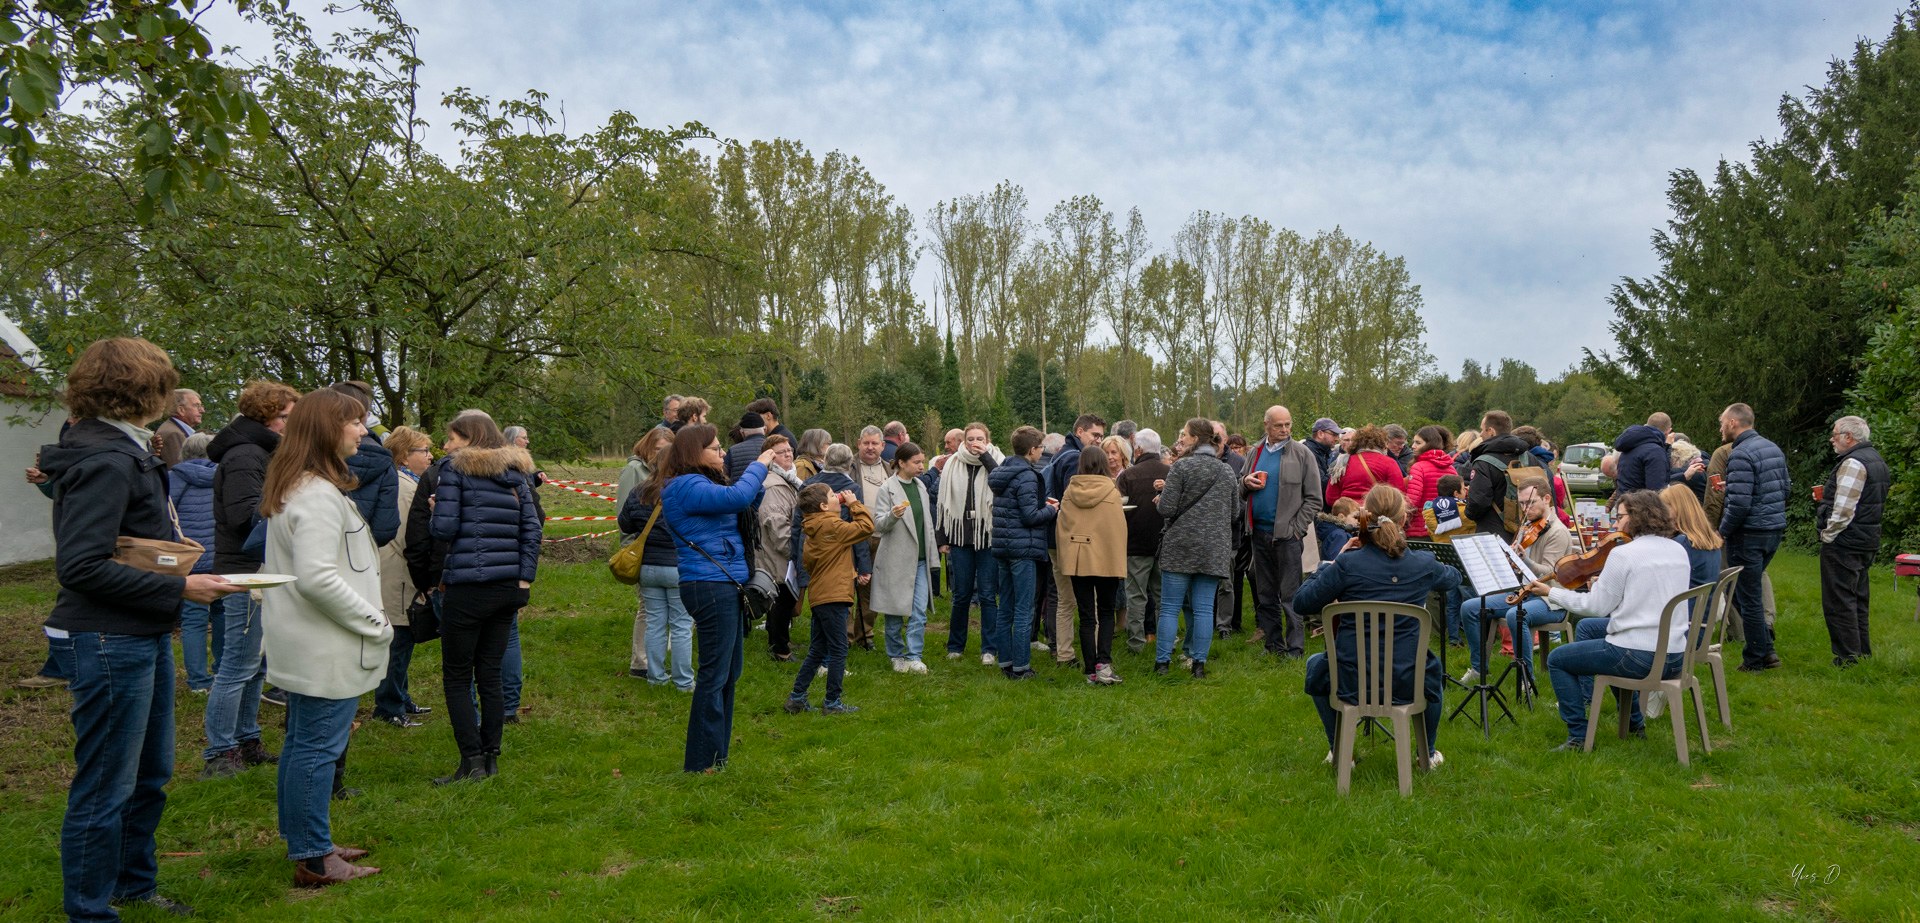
[[412, 453], [1092, 552]]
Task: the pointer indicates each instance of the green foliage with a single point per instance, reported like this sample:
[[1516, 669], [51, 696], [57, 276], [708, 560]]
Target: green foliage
[[1749, 302], [1884, 272], [1031, 406]]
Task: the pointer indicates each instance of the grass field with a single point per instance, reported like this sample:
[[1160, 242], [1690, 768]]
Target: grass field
[[961, 796]]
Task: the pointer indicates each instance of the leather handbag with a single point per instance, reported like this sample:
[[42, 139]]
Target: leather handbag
[[159, 556]]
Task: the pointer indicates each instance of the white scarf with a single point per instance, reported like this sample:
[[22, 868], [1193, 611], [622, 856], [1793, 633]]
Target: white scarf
[[955, 480]]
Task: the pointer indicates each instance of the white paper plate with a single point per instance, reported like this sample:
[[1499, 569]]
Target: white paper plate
[[259, 581], [1129, 506]]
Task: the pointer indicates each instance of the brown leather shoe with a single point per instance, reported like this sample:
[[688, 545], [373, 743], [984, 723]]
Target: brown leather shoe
[[255, 753], [335, 871], [350, 853]]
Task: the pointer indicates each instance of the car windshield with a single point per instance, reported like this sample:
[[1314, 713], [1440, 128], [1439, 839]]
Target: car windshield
[[1583, 455]]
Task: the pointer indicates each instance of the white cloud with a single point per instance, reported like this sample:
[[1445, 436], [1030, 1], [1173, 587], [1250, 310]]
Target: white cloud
[[1518, 159]]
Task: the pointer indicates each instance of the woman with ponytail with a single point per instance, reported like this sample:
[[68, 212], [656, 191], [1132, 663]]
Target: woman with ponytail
[[1376, 566]]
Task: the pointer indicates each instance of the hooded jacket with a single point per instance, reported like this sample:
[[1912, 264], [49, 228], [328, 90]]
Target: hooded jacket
[[378, 495], [1022, 521], [705, 516], [1643, 459], [241, 449], [1091, 528], [191, 483], [1423, 484], [1487, 488], [484, 510], [105, 486]]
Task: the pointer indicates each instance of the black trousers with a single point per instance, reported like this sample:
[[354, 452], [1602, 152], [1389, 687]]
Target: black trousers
[[1226, 615], [1094, 597], [1276, 576], [780, 622], [1843, 597], [474, 621]]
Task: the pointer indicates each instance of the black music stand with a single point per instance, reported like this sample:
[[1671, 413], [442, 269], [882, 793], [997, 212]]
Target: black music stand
[[1487, 584]]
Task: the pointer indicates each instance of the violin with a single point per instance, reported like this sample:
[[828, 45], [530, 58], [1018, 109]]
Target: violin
[[1577, 571]]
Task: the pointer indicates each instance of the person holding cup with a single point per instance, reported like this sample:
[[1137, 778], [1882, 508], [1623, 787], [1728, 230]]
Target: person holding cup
[[1282, 499]]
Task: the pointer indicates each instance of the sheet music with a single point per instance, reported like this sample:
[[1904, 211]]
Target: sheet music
[[1485, 558]]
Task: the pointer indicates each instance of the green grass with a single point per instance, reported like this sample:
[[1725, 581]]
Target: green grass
[[961, 796]]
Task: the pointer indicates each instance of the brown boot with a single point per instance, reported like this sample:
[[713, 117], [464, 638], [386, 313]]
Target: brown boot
[[329, 869], [255, 753], [350, 853], [223, 764]]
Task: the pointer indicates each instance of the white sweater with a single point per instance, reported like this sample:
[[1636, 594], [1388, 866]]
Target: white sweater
[[1640, 578], [325, 634]]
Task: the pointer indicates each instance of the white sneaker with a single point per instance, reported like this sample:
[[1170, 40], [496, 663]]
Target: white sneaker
[[899, 665], [1434, 761], [1106, 674], [1654, 704], [915, 666], [1041, 646], [1329, 760], [987, 660], [1470, 677], [954, 655], [822, 671]]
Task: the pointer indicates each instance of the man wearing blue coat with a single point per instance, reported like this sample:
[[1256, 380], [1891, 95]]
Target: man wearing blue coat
[[1754, 518]]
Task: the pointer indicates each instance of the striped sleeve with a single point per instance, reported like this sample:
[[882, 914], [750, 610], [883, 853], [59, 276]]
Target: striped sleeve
[[1849, 481]]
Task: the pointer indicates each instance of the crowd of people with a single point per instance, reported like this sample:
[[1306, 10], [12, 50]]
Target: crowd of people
[[361, 547]]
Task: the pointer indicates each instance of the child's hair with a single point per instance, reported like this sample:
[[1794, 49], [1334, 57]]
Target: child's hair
[[906, 452], [814, 497], [1383, 521], [1025, 439], [1093, 460], [1450, 484], [1345, 507]]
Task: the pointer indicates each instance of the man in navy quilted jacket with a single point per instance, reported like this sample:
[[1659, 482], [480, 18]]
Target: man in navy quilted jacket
[[1752, 521]]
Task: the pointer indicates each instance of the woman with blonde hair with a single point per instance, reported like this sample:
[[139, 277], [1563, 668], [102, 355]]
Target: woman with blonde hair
[[1697, 535], [1376, 565], [325, 635], [1119, 454]]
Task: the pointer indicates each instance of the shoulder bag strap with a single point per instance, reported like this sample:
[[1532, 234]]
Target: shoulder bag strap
[[703, 553]]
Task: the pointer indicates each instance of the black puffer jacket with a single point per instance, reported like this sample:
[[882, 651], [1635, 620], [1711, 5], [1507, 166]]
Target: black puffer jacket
[[483, 509], [241, 450], [660, 550], [378, 495], [426, 555], [106, 486]]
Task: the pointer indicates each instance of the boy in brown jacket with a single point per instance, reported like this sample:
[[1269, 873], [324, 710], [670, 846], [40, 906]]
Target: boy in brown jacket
[[827, 553]]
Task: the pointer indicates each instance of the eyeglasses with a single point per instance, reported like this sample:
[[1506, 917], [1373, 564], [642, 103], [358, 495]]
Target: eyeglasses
[[421, 449]]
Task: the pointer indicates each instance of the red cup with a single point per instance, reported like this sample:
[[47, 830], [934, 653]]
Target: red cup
[[1717, 482], [1820, 493]]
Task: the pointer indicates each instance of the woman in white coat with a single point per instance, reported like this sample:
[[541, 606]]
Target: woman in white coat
[[904, 562], [325, 635]]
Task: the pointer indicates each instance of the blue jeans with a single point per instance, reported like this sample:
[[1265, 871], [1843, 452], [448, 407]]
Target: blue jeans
[[122, 687], [907, 634], [1018, 579], [1573, 667], [1456, 626], [1537, 614], [826, 648], [1319, 686], [669, 627], [195, 624], [391, 698], [233, 708], [1195, 591], [715, 608], [316, 737], [1753, 551], [971, 574]]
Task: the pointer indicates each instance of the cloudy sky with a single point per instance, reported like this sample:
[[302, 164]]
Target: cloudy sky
[[1515, 154]]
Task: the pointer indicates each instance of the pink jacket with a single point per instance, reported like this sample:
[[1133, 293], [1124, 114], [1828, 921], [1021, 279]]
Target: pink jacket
[[1423, 484]]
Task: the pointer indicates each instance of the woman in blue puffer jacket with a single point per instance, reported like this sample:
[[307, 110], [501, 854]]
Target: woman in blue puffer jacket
[[191, 484], [483, 509], [702, 511]]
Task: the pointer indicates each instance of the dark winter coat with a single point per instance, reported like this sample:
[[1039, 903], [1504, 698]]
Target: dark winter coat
[[1863, 531], [659, 550], [1065, 464], [1143, 521], [483, 509], [1487, 489], [1324, 455], [743, 454], [1643, 460], [1022, 520], [378, 495], [1757, 486], [426, 555], [241, 450], [705, 516], [105, 486], [191, 482], [1368, 573], [1202, 502]]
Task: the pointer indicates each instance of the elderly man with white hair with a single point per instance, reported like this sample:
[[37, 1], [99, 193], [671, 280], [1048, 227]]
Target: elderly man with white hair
[[1849, 514], [1137, 485]]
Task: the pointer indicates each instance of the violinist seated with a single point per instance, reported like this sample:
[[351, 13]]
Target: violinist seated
[[1376, 565], [1541, 542], [1623, 605]]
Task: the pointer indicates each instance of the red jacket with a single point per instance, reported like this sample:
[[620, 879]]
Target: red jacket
[[1354, 482], [1423, 484]]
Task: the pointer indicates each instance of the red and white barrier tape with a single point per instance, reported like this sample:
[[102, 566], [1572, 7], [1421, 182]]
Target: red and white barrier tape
[[575, 538], [581, 518], [581, 483], [580, 491]]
